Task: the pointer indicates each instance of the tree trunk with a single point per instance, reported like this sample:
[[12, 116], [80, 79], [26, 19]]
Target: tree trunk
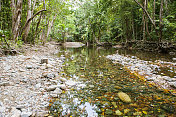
[[143, 19], [50, 25], [153, 13], [147, 27], [29, 20], [161, 21], [133, 29], [43, 32], [16, 17], [27, 29], [0, 5], [36, 30]]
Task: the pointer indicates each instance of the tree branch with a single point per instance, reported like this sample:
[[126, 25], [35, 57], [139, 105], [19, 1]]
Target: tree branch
[[30, 20], [145, 11]]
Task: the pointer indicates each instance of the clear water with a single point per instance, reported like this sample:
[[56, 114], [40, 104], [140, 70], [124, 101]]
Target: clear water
[[101, 81]]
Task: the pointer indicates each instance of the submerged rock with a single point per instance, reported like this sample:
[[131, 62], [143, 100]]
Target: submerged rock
[[117, 112], [108, 112], [124, 97]]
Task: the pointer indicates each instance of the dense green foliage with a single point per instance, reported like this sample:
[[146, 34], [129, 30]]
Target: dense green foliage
[[93, 21]]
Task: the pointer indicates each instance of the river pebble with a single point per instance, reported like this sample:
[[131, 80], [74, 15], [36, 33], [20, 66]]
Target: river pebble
[[124, 97]]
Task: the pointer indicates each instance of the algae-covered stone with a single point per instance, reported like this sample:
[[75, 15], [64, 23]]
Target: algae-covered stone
[[117, 112], [117, 87], [108, 112], [124, 97]]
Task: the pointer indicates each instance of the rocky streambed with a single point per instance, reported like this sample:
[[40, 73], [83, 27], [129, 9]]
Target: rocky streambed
[[29, 81], [80, 82], [149, 70]]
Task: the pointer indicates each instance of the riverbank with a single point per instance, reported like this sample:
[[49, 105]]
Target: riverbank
[[28, 81], [148, 70]]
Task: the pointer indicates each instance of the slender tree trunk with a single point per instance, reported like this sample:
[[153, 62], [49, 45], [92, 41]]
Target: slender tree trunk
[[50, 25], [133, 29], [161, 20], [0, 5], [36, 30], [63, 36], [29, 15], [43, 32], [143, 18], [127, 32], [153, 13], [16, 17], [147, 27], [144, 21]]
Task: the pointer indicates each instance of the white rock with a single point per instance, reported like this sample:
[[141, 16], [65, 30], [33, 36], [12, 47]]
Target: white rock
[[174, 59], [63, 79], [51, 88], [15, 112], [54, 95], [8, 67], [49, 66], [70, 83], [26, 114], [91, 86], [38, 85], [62, 86], [58, 91]]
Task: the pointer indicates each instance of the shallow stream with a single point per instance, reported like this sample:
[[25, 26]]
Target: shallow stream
[[98, 82]]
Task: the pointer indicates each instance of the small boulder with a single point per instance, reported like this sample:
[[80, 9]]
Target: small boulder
[[73, 44], [124, 97]]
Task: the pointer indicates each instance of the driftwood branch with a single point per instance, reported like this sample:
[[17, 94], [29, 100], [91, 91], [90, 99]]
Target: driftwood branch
[[31, 19]]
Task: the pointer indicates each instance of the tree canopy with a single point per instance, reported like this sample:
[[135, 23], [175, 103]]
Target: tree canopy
[[93, 21]]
